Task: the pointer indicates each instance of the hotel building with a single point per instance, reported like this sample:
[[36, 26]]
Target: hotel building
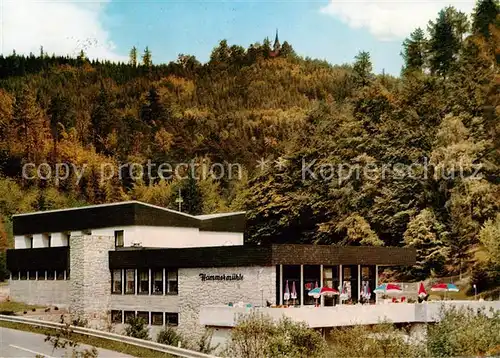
[[105, 263]]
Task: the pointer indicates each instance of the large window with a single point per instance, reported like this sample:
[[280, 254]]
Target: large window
[[130, 281], [144, 316], [32, 275], [157, 318], [172, 319], [172, 286], [15, 275], [116, 316], [41, 274], [50, 275], [128, 315], [143, 282], [116, 282], [157, 282], [60, 275], [24, 275], [119, 238]]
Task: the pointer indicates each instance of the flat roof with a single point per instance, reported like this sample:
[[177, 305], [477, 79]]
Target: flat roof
[[249, 255], [126, 213]]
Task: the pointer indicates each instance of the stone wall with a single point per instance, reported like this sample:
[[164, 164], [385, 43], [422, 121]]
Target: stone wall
[[257, 286], [90, 283], [43, 293]]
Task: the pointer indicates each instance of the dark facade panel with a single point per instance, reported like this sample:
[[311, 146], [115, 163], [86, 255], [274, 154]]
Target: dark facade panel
[[46, 258], [224, 256], [75, 220], [342, 255], [123, 214], [230, 223], [221, 256]]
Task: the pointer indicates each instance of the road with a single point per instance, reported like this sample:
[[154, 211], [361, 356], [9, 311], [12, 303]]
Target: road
[[14, 343]]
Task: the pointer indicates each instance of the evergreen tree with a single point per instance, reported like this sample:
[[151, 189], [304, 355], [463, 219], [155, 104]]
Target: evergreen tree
[[29, 123], [102, 119], [424, 234], [414, 51], [192, 196], [61, 118], [485, 14], [445, 40], [147, 60], [287, 50], [133, 57], [363, 68]]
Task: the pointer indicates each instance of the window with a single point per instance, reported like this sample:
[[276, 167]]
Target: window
[[41, 274], [130, 281], [116, 281], [172, 319], [143, 282], [157, 318], [32, 275], [67, 274], [128, 315], [144, 316], [50, 275], [119, 238], [14, 275], [24, 275], [172, 282], [60, 275], [116, 316], [157, 282]]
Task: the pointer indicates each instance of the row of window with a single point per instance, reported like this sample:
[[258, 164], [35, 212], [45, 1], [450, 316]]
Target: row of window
[[47, 238], [149, 281], [151, 318], [40, 275]]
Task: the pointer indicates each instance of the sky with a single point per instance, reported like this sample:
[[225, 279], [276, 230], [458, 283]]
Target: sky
[[325, 29]]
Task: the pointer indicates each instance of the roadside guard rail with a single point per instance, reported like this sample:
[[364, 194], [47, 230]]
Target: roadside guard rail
[[158, 347]]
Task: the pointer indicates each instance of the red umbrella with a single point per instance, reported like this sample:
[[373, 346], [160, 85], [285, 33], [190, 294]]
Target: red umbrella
[[421, 290]]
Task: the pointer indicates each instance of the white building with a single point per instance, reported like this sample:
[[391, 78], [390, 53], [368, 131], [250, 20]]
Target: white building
[[113, 261]]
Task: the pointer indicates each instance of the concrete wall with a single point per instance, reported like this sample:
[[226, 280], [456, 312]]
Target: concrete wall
[[257, 286], [90, 287], [53, 293]]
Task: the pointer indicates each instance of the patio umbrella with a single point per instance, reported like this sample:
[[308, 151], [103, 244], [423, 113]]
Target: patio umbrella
[[444, 287], [388, 288], [422, 293], [286, 296], [323, 291], [293, 294]]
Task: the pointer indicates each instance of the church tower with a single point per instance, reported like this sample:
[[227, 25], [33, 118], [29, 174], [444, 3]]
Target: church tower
[[277, 45]]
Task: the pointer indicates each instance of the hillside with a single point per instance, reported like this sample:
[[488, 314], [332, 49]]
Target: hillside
[[314, 152]]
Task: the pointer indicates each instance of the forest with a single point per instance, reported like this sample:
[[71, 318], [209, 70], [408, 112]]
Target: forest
[[257, 105]]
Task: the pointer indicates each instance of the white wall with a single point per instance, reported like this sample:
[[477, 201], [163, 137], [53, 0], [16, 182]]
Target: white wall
[[59, 239], [171, 237], [33, 292], [22, 242]]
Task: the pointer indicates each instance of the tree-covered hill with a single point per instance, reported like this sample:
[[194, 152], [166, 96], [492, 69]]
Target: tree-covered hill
[[412, 160]]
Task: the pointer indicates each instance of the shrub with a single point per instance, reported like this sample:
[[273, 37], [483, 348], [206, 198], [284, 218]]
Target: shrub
[[136, 327], [205, 342], [168, 336], [464, 332], [381, 340], [258, 336], [79, 322]]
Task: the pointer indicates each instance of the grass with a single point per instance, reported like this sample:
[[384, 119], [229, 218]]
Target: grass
[[17, 306], [91, 341]]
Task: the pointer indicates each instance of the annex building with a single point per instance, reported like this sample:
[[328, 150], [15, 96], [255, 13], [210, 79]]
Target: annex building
[[108, 262]]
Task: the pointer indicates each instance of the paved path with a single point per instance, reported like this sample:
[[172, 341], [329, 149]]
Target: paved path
[[14, 343]]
